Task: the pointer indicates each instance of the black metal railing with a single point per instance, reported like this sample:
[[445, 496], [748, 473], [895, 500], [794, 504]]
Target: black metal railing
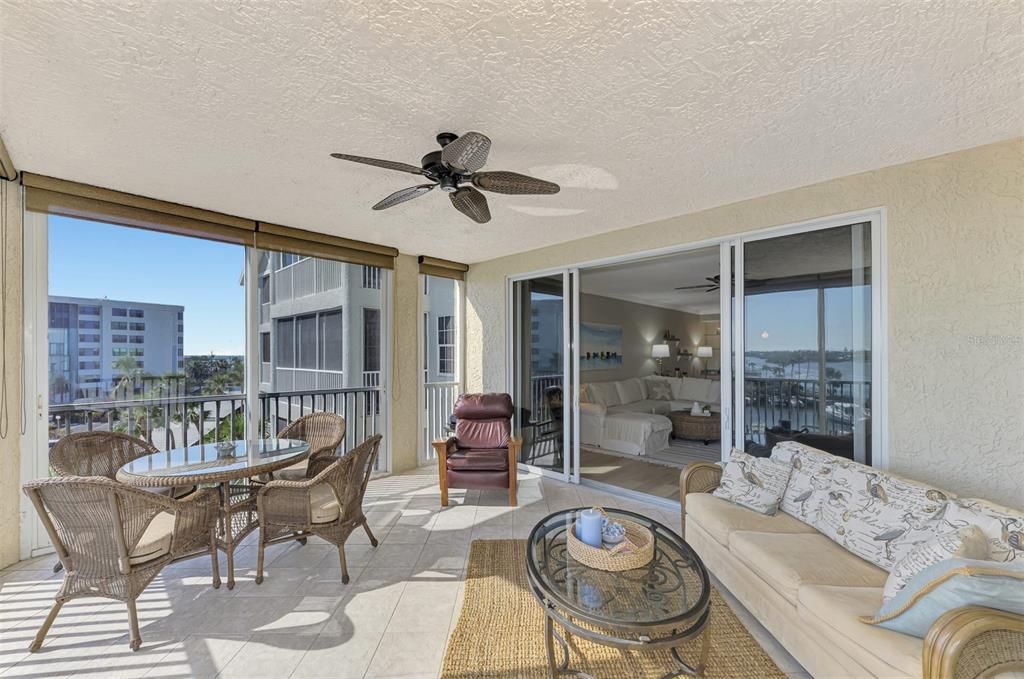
[[173, 422], [826, 407]]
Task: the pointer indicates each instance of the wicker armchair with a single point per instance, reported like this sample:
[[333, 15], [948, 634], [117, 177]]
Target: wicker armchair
[[965, 643], [324, 432], [113, 539], [102, 453], [328, 505]]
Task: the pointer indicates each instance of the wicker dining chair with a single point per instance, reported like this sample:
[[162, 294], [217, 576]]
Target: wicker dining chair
[[328, 505], [324, 432], [113, 539], [102, 453]]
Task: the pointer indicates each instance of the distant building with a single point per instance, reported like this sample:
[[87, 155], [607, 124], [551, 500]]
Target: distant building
[[319, 325], [87, 337], [440, 357]]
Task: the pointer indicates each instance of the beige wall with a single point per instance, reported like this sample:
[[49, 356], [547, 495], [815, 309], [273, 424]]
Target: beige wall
[[10, 425], [955, 227], [642, 326], [404, 364]]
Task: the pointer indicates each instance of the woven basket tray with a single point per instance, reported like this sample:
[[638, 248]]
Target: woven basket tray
[[603, 559]]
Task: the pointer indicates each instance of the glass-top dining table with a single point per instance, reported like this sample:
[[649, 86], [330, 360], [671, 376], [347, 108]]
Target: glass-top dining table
[[231, 465]]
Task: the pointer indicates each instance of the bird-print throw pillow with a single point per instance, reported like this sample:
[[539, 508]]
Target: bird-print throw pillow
[[967, 543], [1004, 527], [756, 483], [809, 483], [879, 516]]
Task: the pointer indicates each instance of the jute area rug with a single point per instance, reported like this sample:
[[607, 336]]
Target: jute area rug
[[500, 632]]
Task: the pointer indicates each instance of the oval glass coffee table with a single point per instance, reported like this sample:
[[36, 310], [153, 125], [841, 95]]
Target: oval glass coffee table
[[655, 607], [230, 467]]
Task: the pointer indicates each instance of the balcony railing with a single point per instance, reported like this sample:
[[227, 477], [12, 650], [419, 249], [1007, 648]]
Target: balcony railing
[[770, 400], [174, 422], [438, 405], [304, 379], [307, 277], [538, 405]]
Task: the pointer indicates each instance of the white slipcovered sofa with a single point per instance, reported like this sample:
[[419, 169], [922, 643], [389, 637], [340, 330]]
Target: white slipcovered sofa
[[805, 575], [622, 416]]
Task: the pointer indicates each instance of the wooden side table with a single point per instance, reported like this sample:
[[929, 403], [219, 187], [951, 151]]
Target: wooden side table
[[696, 427]]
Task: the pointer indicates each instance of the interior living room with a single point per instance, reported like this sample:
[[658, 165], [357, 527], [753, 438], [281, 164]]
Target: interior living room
[[500, 340], [650, 343]]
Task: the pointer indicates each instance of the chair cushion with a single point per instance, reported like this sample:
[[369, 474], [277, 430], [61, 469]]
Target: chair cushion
[[176, 492], [786, 562], [720, 518], [483, 406], [479, 459], [834, 611], [323, 504], [492, 433], [155, 541]]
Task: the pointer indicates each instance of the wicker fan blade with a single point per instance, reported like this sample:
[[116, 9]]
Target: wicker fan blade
[[403, 195], [471, 203], [386, 164], [512, 182], [466, 154]]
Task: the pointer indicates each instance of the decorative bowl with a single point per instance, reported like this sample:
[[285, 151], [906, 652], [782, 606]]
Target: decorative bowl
[[225, 446], [613, 533]]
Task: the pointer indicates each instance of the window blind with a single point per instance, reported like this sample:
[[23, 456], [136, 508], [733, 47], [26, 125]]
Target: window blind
[[312, 244], [83, 201], [432, 266]]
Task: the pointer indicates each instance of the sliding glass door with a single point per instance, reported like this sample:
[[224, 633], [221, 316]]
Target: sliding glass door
[[805, 336], [544, 371]]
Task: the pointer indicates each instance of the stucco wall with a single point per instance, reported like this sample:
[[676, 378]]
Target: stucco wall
[[10, 422], [404, 400], [642, 325], [956, 303]]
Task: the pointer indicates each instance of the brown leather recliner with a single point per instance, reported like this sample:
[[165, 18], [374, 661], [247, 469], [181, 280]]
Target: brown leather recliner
[[483, 453]]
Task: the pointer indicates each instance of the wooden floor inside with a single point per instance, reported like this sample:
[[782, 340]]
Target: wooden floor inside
[[659, 478]]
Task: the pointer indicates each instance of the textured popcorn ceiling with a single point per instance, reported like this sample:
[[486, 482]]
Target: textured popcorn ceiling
[[641, 110]]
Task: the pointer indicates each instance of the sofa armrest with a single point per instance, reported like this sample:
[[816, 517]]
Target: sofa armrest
[[593, 409], [697, 477], [972, 642]]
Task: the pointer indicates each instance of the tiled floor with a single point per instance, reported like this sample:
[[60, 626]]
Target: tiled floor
[[391, 620]]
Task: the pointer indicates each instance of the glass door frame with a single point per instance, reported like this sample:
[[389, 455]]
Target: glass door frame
[[570, 366], [876, 217]]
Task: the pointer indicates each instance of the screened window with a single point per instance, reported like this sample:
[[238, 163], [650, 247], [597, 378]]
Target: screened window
[[118, 325], [264, 347], [331, 340], [118, 311], [286, 343], [305, 339], [141, 327], [137, 313], [89, 325], [89, 310], [371, 340], [446, 345]]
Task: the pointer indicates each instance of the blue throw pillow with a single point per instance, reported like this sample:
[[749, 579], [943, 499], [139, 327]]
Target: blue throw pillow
[[950, 584]]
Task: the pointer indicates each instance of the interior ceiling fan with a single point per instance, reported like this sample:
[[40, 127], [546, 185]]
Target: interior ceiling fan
[[714, 284], [455, 168]]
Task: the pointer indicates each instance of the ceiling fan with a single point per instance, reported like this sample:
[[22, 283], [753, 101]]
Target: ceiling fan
[[714, 284], [454, 167]]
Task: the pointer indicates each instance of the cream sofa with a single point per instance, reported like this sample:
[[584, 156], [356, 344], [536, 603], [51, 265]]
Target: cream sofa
[[808, 591], [622, 417]]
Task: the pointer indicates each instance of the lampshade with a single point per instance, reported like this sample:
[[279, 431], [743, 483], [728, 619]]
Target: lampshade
[[703, 352], [659, 351]]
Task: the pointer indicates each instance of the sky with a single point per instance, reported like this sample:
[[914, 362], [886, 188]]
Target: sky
[[90, 259]]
